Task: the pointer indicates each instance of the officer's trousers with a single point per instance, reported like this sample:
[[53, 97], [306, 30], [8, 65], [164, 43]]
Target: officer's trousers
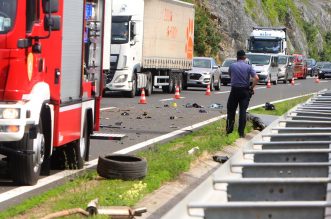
[[238, 95]]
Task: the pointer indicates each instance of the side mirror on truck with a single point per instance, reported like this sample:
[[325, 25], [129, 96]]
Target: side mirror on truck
[[50, 6], [52, 22]]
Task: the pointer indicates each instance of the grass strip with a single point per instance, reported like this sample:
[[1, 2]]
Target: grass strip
[[165, 163], [281, 107]]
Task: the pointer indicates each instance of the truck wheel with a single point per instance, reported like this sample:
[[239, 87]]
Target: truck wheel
[[133, 92], [149, 86], [172, 84], [76, 151], [275, 82], [25, 169]]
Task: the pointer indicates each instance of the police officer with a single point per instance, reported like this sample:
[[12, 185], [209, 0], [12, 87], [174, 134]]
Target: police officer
[[241, 91]]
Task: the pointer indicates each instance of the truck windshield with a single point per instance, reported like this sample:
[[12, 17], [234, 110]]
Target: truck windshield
[[201, 63], [259, 59], [265, 46], [227, 63], [7, 15], [120, 32], [282, 60]]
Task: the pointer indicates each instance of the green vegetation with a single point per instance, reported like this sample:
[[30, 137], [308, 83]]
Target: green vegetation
[[165, 163], [325, 55], [281, 107], [250, 8], [311, 32]]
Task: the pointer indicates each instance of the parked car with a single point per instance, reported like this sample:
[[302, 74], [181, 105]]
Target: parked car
[[300, 66], [320, 65], [266, 66], [286, 68], [325, 71], [204, 71], [225, 77], [312, 67]]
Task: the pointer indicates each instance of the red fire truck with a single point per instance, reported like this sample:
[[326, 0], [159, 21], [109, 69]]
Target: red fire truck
[[52, 57]]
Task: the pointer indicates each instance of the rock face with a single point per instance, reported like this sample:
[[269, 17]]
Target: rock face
[[235, 23]]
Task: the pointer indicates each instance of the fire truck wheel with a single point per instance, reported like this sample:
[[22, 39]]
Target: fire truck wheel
[[75, 152], [122, 166], [25, 169]]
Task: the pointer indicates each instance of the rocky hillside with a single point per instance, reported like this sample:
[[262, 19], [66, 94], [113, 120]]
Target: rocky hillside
[[308, 23]]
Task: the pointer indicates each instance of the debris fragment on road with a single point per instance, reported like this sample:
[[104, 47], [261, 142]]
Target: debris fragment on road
[[216, 106], [193, 150], [220, 159], [125, 114]]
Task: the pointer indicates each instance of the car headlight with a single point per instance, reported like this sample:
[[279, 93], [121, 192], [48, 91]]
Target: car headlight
[[121, 79], [321, 72], [10, 113]]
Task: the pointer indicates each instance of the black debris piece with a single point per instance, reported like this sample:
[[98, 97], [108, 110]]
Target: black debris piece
[[202, 111], [138, 117], [220, 159], [125, 114], [258, 124], [269, 106], [216, 106]]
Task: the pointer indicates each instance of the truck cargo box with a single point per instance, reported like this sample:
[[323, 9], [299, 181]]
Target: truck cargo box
[[168, 34]]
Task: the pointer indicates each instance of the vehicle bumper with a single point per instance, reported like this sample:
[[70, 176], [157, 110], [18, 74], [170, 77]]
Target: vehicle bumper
[[5, 134], [201, 82], [263, 78], [124, 86], [225, 79]]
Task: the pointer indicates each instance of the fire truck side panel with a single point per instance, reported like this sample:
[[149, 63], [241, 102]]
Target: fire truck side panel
[[72, 42], [68, 128]]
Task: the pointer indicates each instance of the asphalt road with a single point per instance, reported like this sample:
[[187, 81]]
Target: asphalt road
[[141, 122]]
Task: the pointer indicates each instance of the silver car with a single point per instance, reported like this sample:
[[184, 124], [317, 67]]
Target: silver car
[[286, 68], [225, 77], [204, 71]]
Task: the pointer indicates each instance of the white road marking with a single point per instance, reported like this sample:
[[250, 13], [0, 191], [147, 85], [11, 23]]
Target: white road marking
[[107, 108], [66, 173], [258, 88], [170, 99]]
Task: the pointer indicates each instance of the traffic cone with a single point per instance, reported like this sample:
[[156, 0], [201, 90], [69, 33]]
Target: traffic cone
[[142, 97], [317, 80], [177, 95], [292, 82], [208, 93], [269, 84]]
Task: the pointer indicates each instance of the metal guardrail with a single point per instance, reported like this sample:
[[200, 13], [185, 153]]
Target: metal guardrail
[[283, 173]]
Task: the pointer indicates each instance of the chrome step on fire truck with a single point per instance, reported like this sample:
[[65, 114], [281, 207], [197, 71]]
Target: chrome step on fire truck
[[52, 57]]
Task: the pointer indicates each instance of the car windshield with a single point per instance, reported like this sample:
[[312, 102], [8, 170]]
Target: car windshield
[[7, 15], [310, 62], [259, 59], [265, 46], [227, 63], [328, 66], [120, 32], [282, 60], [201, 63]]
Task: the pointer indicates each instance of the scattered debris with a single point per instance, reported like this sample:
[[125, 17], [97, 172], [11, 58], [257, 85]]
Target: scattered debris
[[258, 124], [193, 105], [110, 126], [173, 127], [148, 117], [118, 123], [193, 150], [145, 114], [202, 111], [166, 105], [125, 114], [173, 117], [138, 117], [216, 106], [220, 159], [114, 211], [269, 106], [174, 104]]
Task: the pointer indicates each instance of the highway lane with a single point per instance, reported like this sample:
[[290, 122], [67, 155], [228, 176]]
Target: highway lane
[[159, 116]]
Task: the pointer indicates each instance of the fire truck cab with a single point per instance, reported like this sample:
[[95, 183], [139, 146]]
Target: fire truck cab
[[52, 57]]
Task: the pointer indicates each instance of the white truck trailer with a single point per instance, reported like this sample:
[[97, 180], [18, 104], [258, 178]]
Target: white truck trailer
[[268, 40], [152, 45]]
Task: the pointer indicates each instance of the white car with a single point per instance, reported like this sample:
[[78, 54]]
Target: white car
[[225, 77], [204, 71]]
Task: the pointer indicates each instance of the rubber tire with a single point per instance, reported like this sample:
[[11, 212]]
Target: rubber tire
[[149, 87], [275, 82], [122, 166], [134, 91], [74, 158], [218, 87], [212, 87], [24, 169]]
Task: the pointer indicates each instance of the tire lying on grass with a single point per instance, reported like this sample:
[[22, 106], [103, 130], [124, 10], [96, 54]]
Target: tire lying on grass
[[125, 167]]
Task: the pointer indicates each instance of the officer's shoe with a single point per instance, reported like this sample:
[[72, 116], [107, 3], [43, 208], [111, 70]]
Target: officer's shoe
[[241, 135]]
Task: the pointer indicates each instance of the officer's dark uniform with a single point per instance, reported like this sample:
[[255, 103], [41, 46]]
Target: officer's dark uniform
[[240, 74]]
